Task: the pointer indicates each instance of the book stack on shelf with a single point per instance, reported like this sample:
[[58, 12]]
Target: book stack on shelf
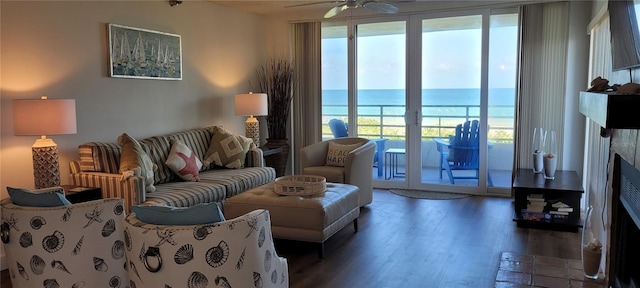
[[535, 208], [560, 208], [541, 209]]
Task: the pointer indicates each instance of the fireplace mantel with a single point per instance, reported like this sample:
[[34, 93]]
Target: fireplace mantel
[[611, 110]]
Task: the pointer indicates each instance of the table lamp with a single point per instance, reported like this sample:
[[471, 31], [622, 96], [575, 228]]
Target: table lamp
[[44, 117], [252, 105]]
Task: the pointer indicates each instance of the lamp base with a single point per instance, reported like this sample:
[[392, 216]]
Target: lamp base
[[46, 168], [252, 130]]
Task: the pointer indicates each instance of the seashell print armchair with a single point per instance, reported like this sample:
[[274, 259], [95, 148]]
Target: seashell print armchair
[[79, 245], [237, 252]]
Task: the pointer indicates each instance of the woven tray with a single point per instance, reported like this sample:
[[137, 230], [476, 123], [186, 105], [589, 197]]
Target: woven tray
[[300, 185]]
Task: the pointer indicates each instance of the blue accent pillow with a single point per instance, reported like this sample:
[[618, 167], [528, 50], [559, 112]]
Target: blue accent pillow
[[25, 197], [205, 213]]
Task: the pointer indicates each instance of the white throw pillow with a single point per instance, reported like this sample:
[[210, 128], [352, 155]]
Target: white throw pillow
[[337, 154], [184, 162]]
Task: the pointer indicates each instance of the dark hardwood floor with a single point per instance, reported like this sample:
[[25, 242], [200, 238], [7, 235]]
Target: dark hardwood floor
[[405, 242]]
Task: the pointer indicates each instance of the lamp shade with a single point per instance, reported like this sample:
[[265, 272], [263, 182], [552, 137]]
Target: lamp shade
[[44, 117], [252, 104]]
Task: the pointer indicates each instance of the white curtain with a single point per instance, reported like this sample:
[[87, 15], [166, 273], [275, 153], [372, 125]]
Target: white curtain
[[307, 104], [541, 87], [597, 147]]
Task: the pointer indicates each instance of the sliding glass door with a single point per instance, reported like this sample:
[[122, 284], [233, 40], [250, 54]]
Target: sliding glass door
[[467, 85], [380, 54], [363, 80], [407, 83]]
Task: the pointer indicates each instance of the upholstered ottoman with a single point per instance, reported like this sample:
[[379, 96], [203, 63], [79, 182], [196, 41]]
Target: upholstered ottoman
[[312, 218]]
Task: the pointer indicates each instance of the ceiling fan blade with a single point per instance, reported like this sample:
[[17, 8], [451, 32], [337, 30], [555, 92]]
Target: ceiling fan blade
[[313, 3], [380, 7], [335, 10]]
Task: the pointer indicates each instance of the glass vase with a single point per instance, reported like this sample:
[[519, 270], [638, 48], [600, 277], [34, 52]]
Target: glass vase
[[591, 248], [536, 149], [550, 159]]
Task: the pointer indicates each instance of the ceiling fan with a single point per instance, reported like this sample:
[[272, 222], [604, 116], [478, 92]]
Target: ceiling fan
[[342, 5]]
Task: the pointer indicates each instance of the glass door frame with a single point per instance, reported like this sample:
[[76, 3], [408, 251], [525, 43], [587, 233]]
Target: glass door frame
[[415, 104], [413, 116], [353, 89]]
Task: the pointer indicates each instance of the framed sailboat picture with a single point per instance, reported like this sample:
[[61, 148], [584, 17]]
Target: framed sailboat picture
[[144, 54]]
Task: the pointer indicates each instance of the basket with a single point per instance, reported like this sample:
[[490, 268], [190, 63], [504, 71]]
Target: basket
[[300, 185]]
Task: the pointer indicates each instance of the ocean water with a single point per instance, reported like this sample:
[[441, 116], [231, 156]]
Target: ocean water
[[501, 101]]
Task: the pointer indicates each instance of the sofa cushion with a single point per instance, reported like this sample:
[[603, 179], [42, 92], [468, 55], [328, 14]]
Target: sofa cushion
[[158, 148], [204, 213], [134, 159], [42, 198], [184, 162], [185, 194], [227, 149], [236, 181], [337, 153]]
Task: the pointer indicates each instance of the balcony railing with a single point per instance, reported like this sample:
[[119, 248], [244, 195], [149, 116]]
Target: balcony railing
[[438, 121]]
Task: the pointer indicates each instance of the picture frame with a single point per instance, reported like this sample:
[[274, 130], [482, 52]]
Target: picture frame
[[144, 54]]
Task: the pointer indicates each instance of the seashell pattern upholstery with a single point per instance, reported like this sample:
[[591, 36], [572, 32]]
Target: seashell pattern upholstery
[[238, 252], [66, 246]]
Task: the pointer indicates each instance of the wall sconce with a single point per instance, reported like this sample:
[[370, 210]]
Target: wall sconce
[[44, 117], [252, 105], [174, 2]]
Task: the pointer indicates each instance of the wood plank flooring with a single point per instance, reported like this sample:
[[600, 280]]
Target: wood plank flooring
[[405, 242]]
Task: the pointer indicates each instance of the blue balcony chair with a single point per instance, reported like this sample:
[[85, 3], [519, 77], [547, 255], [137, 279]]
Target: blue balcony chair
[[461, 152], [340, 130]]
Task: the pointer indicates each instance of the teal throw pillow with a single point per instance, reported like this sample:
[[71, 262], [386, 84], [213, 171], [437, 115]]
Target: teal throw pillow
[[44, 198], [205, 213]]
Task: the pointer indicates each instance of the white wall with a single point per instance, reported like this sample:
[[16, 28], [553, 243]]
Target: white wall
[[60, 49], [576, 81]]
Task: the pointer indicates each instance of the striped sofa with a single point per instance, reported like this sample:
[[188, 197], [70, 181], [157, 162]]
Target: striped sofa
[[100, 161]]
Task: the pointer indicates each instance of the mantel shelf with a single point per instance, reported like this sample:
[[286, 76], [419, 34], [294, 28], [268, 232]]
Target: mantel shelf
[[611, 110]]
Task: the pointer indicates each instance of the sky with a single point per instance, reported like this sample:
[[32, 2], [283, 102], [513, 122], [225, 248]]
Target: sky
[[451, 59]]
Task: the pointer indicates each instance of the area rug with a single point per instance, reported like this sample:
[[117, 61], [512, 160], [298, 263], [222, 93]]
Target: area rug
[[431, 195]]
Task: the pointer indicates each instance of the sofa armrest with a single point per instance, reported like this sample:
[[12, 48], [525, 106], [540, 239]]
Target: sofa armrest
[[112, 185], [254, 157]]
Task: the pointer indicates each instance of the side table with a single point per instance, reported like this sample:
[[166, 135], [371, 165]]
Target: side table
[[270, 151], [391, 156], [77, 194], [565, 188]]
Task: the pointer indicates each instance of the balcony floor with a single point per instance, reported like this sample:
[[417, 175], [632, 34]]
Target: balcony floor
[[430, 175]]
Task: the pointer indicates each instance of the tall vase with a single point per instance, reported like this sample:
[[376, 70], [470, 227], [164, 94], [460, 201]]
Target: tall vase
[[278, 161], [591, 248], [536, 149], [550, 159]]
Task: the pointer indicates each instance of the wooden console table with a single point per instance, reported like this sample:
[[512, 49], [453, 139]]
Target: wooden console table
[[267, 152], [566, 188]]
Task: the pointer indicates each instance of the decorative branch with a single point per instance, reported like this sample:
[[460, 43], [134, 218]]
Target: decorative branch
[[277, 79]]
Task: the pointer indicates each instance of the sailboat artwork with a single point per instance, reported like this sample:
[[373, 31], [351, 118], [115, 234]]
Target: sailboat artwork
[[146, 54]]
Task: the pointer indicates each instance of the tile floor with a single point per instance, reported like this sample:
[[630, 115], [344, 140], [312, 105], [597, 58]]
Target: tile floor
[[520, 270]]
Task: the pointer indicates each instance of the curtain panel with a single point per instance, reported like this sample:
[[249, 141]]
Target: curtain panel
[[307, 99], [544, 30], [596, 147]]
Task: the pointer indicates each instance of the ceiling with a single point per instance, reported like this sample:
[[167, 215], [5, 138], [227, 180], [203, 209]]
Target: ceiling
[[267, 7], [304, 8]]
